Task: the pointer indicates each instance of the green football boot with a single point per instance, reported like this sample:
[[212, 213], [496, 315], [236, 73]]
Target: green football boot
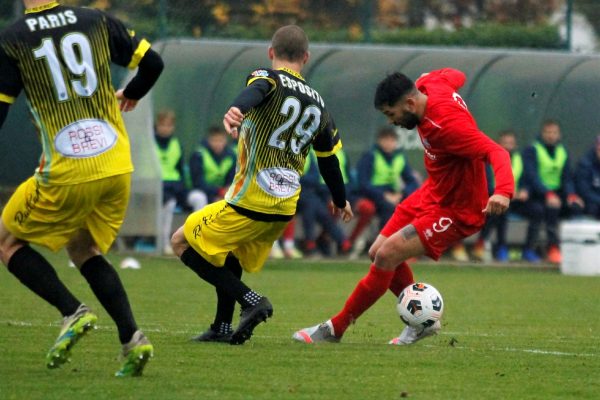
[[74, 327], [136, 354]]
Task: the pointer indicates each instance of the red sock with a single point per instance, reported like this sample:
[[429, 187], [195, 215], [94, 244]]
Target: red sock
[[403, 277], [367, 292]]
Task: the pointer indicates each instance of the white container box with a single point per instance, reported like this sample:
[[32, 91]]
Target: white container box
[[580, 247]]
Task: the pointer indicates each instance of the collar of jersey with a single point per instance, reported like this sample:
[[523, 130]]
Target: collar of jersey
[[291, 72], [43, 7]]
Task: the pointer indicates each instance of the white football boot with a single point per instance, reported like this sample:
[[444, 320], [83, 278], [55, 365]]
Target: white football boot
[[411, 335], [318, 333]]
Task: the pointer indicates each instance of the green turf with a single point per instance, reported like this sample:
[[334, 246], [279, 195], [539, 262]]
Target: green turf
[[507, 334]]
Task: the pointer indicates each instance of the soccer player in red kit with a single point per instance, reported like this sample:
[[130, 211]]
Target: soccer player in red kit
[[450, 205]]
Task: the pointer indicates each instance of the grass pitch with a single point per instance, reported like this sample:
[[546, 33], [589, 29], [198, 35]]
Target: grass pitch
[[507, 333]]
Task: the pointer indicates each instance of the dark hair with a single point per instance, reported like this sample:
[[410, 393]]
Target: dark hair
[[387, 131], [391, 89], [506, 132], [290, 43], [550, 121], [165, 114], [215, 130]]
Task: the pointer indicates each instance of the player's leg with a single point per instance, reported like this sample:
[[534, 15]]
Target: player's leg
[[32, 269], [535, 215], [552, 218], [24, 212], [390, 256], [223, 279], [365, 210], [85, 249], [35, 272], [393, 251], [203, 243], [104, 281], [397, 242], [308, 209], [438, 230], [221, 328], [403, 275]]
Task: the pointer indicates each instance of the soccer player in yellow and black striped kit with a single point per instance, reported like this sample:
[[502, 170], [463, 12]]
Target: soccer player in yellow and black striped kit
[[279, 117], [60, 56]]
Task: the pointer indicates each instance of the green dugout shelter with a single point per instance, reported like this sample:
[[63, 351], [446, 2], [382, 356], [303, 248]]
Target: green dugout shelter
[[504, 89]]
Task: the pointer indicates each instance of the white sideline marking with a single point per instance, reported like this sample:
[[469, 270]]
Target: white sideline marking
[[187, 332], [530, 351]]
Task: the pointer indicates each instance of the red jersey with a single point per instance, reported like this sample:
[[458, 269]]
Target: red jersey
[[456, 151]]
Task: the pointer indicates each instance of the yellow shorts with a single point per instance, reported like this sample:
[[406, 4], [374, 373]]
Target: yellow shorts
[[50, 215], [217, 229]]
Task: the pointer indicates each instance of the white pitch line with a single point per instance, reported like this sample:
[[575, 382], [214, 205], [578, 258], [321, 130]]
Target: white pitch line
[[180, 332], [530, 351]]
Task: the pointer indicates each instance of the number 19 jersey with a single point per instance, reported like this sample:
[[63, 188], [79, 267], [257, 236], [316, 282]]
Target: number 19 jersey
[[275, 139], [61, 57]]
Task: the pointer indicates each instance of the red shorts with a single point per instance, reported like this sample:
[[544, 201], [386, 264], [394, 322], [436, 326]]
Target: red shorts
[[437, 227]]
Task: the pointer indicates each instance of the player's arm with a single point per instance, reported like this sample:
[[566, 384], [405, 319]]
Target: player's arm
[[464, 139], [149, 69], [252, 95], [325, 145], [128, 51], [455, 78], [10, 84], [3, 112]]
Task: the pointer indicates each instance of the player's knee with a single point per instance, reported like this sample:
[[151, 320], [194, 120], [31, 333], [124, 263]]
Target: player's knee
[[8, 245], [178, 242], [385, 258]]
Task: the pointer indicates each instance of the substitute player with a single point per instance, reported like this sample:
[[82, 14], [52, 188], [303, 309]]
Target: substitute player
[[79, 193], [450, 205], [279, 116]]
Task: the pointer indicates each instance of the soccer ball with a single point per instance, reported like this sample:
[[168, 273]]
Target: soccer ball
[[420, 305]]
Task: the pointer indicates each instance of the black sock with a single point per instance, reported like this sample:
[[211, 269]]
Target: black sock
[[35, 272], [220, 277], [107, 286], [226, 303]]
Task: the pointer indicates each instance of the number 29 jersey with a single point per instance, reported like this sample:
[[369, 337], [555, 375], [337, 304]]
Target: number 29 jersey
[[275, 139], [61, 57]]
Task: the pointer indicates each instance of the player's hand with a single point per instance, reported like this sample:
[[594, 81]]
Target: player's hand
[[345, 213], [232, 120], [574, 199], [553, 200], [496, 205], [392, 198], [125, 104], [522, 195]]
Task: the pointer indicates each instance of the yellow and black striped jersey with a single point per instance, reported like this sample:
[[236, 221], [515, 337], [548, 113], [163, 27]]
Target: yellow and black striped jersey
[[275, 139], [61, 57]]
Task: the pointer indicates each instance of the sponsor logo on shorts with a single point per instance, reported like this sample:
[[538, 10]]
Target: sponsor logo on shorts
[[279, 182], [207, 220], [85, 138], [30, 205]]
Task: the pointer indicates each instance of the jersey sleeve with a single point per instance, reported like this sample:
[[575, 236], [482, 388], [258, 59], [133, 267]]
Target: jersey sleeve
[[450, 76], [462, 138], [327, 141], [10, 79], [125, 48], [265, 74]]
